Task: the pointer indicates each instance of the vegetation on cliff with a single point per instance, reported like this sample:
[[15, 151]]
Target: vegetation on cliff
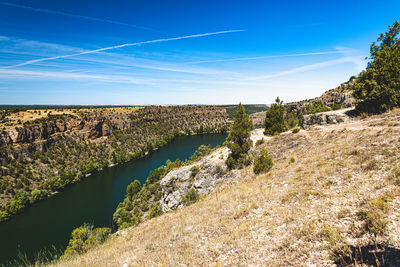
[[142, 203]]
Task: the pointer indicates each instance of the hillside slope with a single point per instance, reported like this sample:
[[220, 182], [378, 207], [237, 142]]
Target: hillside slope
[[332, 198]]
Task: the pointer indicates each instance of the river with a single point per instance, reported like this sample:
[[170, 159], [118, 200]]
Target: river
[[93, 200]]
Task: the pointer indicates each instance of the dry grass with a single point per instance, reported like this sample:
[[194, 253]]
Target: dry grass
[[305, 212]]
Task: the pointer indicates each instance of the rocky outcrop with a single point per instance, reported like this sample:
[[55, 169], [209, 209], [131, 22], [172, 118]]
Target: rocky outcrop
[[342, 95], [324, 118], [258, 119], [203, 176], [89, 128]]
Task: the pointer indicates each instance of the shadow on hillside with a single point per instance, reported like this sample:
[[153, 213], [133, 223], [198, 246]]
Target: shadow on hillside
[[371, 255], [352, 113]]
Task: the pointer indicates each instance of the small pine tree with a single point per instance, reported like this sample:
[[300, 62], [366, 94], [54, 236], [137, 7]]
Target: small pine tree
[[239, 138], [275, 121]]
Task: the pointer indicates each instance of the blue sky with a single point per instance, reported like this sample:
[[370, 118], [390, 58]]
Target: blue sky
[[183, 52]]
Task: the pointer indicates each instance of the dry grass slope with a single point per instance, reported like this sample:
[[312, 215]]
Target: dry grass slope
[[332, 195]]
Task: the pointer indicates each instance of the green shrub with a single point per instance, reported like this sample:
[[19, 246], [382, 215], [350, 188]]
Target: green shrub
[[202, 151], [263, 163], [84, 238], [3, 215], [194, 171], [315, 107], [123, 217], [374, 215], [155, 211], [37, 194], [260, 142], [296, 130], [335, 106], [191, 197]]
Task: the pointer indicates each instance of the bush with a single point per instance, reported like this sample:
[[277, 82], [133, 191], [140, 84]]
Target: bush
[[191, 197], [37, 194], [194, 171], [200, 152], [296, 130], [263, 163], [336, 106], [260, 142], [374, 215], [3, 215], [315, 107], [84, 238], [155, 211]]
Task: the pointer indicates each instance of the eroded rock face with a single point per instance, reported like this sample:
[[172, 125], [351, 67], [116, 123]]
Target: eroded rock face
[[341, 95], [345, 99], [177, 183], [90, 129], [258, 119], [324, 118]]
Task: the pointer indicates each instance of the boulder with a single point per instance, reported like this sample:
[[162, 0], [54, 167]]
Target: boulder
[[177, 183]]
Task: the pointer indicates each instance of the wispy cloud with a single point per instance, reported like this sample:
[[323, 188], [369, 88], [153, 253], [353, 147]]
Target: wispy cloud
[[64, 14], [23, 74], [265, 57], [116, 60], [15, 48], [29, 62], [355, 60], [4, 38], [13, 45]]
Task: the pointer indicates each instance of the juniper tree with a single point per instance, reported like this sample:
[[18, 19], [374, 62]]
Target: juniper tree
[[239, 138], [377, 88], [275, 121]]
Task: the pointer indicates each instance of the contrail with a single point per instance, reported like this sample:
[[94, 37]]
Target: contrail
[[264, 57], [60, 13], [124, 45]]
